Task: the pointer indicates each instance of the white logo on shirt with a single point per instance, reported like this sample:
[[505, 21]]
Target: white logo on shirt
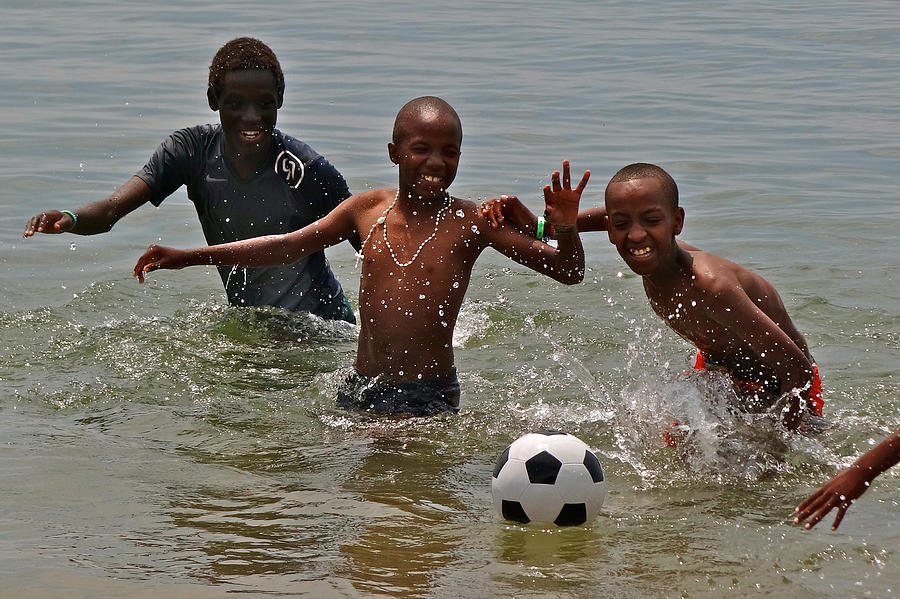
[[290, 167]]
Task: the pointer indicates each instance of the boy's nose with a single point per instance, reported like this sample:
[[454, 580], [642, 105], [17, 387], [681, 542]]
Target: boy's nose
[[636, 233], [251, 114], [434, 159]]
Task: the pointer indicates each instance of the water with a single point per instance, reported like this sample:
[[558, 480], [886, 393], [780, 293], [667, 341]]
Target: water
[[157, 443]]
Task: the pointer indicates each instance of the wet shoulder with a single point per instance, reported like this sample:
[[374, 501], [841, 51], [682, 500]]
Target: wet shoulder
[[370, 200], [464, 215], [714, 273]]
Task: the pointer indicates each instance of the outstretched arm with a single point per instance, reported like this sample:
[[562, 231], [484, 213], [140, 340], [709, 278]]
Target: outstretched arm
[[565, 263], [269, 250], [842, 490], [92, 218]]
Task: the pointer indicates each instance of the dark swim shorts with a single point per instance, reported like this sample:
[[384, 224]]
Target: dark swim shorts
[[421, 398], [770, 387]]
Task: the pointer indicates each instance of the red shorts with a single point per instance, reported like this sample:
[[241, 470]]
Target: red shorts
[[816, 403]]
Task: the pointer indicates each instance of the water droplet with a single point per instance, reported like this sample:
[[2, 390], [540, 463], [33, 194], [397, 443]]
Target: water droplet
[[456, 284], [72, 246], [460, 213]]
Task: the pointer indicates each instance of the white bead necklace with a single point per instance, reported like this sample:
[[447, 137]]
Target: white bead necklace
[[381, 221]]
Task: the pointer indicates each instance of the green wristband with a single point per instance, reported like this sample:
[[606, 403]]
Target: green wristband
[[539, 234], [73, 215]]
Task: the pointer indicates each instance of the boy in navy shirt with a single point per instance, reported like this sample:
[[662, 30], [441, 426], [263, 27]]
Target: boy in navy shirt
[[245, 179]]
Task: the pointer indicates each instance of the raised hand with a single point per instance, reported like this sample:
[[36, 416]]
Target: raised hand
[[157, 257], [560, 199], [51, 222]]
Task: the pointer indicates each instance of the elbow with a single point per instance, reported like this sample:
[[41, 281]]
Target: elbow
[[571, 277]]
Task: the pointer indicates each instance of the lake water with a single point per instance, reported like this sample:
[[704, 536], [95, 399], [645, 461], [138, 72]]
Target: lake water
[[155, 442]]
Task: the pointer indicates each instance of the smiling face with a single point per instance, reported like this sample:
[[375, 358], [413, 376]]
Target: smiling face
[[642, 224], [426, 149], [248, 103]]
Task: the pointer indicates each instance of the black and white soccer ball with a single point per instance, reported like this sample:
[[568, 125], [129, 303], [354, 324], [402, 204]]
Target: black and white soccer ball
[[548, 477]]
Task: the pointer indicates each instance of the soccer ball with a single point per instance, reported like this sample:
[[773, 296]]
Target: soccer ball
[[548, 477]]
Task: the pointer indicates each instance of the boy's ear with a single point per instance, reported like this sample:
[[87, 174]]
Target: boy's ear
[[280, 99], [212, 100], [606, 228], [392, 152], [679, 220]]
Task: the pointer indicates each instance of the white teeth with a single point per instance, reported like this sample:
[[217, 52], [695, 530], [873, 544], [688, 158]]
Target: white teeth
[[640, 251], [431, 179], [249, 133]]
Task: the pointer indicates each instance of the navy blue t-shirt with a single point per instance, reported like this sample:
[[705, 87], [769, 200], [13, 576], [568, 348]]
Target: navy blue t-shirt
[[298, 188]]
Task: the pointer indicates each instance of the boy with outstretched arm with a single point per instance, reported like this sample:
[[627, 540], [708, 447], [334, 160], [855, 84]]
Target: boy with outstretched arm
[[244, 177], [418, 248], [734, 316]]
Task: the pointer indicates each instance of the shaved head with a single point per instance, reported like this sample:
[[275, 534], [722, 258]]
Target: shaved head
[[419, 109], [643, 170]]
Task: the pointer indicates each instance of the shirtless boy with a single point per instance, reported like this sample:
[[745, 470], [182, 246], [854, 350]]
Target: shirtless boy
[[418, 248], [734, 316], [244, 177]]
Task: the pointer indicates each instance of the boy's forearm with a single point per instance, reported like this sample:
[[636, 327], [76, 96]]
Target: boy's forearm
[[266, 251], [100, 216], [569, 256], [796, 388], [883, 456], [592, 219]]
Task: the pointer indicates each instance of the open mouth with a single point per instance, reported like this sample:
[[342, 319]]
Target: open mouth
[[640, 252], [433, 180], [251, 135]]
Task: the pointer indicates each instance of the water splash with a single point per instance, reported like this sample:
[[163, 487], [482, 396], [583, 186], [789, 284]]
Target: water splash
[[673, 422]]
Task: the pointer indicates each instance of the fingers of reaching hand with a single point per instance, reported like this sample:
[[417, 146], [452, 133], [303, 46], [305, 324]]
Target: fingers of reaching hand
[[492, 210], [842, 509], [148, 261], [583, 182], [554, 181], [567, 179], [37, 224], [817, 506]]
